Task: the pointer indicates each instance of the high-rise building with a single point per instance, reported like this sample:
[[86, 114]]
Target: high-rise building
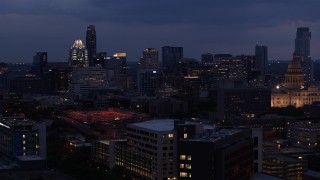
[[156, 158], [122, 58], [115, 67], [148, 81], [302, 49], [222, 154], [91, 43], [150, 59], [261, 53], [78, 55], [207, 58], [171, 57], [101, 58], [24, 141], [40, 61], [83, 80]]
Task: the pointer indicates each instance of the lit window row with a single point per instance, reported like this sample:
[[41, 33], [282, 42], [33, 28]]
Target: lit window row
[[184, 157], [184, 174], [186, 166]]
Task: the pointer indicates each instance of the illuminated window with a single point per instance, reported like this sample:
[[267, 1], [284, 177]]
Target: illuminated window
[[24, 136], [24, 148], [37, 146], [170, 135], [188, 166], [181, 166], [185, 135], [24, 142], [182, 157], [183, 174], [188, 157]]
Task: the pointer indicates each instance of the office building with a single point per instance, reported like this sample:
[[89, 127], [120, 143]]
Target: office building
[[60, 78], [147, 81], [122, 58], [24, 141], [4, 85], [220, 154], [85, 79], [261, 53], [302, 49], [152, 149], [91, 44], [109, 152], [115, 67], [284, 166], [305, 133], [207, 59], [257, 149], [28, 85], [171, 57], [40, 61], [78, 55], [100, 59], [243, 101], [150, 59]]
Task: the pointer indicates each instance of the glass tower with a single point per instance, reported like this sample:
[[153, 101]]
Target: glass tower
[[302, 50], [91, 44]]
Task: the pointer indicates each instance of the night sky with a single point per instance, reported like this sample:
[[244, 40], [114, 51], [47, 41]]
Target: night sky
[[199, 26]]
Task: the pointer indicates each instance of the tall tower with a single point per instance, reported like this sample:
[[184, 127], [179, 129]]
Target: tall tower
[[40, 61], [302, 49], [207, 58], [171, 57], [91, 43], [78, 55], [149, 59], [261, 53]]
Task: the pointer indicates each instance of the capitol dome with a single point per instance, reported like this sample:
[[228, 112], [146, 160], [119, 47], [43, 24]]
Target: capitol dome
[[294, 78]]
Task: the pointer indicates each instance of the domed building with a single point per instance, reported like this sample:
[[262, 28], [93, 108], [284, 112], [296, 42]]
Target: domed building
[[292, 92], [294, 78], [78, 56]]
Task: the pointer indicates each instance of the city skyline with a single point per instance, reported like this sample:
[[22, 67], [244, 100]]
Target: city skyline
[[131, 27]]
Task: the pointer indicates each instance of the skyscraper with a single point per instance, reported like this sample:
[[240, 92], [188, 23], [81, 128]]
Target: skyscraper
[[207, 58], [261, 53], [302, 49], [91, 43], [149, 60], [78, 55], [40, 61], [171, 57]]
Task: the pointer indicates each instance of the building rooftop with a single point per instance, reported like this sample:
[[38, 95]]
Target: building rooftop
[[9, 122], [107, 142], [313, 174], [262, 176], [30, 158], [215, 135], [156, 125]]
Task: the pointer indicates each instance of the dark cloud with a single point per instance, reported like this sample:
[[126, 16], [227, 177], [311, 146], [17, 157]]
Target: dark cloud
[[122, 25]]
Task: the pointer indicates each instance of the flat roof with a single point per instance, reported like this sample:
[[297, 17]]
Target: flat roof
[[215, 135], [15, 121], [30, 158], [156, 125], [262, 176], [107, 142]]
